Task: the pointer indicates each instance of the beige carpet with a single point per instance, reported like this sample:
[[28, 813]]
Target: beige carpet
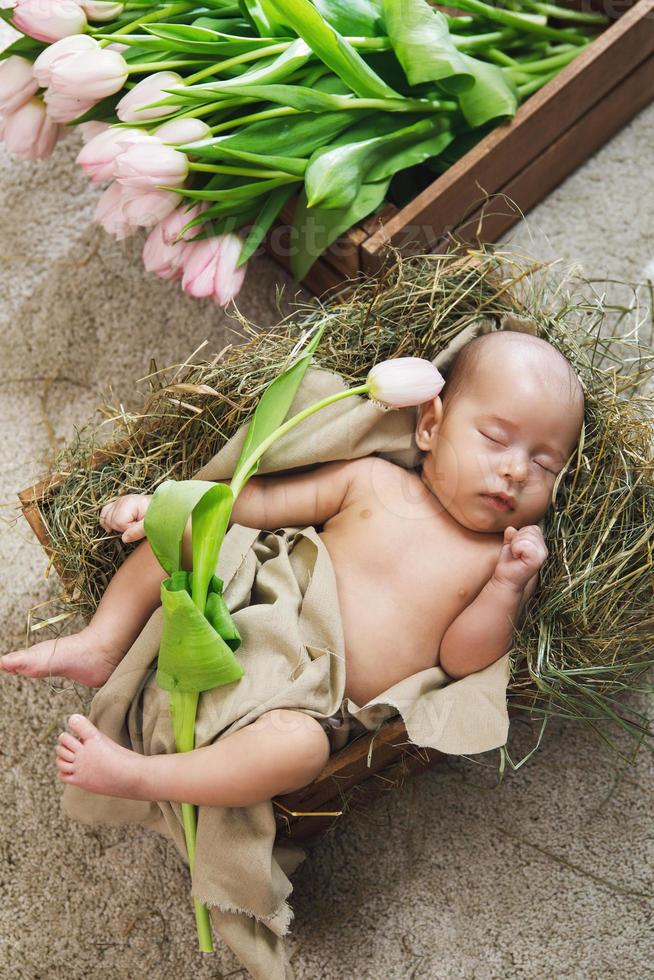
[[547, 875]]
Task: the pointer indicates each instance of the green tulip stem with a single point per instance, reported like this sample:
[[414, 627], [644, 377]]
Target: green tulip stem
[[282, 110], [147, 66], [544, 65], [243, 473], [211, 168], [240, 59], [161, 14], [183, 707]]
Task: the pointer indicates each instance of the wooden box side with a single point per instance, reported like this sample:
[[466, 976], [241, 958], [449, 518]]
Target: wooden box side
[[526, 189]]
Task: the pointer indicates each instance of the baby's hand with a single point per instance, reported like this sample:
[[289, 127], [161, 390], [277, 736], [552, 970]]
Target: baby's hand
[[125, 514], [522, 554]]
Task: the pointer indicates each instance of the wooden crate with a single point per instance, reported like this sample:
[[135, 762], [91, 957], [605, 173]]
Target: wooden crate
[[552, 133]]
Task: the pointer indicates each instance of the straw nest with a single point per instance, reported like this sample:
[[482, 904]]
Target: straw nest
[[588, 634]]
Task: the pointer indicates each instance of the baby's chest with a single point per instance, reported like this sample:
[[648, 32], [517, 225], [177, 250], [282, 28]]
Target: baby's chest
[[412, 568]]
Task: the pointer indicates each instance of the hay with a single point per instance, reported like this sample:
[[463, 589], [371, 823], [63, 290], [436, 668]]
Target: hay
[[588, 635]]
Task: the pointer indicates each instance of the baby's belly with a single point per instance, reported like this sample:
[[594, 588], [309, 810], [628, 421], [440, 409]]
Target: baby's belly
[[386, 633]]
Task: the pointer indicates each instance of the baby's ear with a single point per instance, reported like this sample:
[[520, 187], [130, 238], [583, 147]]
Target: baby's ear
[[429, 417]]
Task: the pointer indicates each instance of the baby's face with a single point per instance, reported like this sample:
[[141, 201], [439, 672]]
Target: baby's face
[[512, 434]]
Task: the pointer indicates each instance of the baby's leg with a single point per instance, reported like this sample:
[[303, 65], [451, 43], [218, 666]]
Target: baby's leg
[[281, 751], [92, 655]]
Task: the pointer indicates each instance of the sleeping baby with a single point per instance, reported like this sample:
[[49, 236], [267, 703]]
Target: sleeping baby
[[433, 566]]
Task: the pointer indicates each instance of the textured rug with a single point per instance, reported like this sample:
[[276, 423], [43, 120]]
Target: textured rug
[[544, 875]]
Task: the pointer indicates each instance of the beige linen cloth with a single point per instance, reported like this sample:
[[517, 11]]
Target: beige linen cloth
[[280, 588]]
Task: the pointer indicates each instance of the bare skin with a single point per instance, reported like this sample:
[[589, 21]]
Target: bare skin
[[429, 572]]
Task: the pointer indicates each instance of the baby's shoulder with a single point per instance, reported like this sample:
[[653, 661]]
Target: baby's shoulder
[[368, 473]]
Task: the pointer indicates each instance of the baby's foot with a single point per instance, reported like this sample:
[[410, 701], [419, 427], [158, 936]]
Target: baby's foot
[[83, 657], [89, 759]]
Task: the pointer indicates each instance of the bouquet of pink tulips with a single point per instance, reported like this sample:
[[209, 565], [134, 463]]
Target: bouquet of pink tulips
[[206, 118]]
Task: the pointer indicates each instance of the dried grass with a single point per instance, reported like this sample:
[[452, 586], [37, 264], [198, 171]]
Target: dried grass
[[588, 637]]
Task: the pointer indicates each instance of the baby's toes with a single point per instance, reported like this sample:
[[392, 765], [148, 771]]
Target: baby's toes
[[82, 727], [65, 766], [68, 741], [66, 755]]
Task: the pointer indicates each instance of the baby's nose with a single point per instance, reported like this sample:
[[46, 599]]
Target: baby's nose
[[515, 466]]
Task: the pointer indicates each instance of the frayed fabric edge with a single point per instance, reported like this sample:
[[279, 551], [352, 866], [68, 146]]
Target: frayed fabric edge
[[278, 921]]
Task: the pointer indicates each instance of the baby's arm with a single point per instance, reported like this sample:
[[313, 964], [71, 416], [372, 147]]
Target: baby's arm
[[267, 502], [483, 632]]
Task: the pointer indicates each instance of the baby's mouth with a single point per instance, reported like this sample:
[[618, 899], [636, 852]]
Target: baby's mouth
[[498, 502]]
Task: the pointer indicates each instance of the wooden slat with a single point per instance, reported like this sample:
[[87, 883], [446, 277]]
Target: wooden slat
[[531, 185], [511, 147], [391, 779]]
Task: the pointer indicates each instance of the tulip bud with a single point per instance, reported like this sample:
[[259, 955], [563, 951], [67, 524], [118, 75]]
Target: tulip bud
[[210, 268], [179, 131], [146, 91], [99, 10], [64, 108], [404, 381], [109, 213], [144, 166], [162, 252], [95, 73], [29, 132], [98, 157], [59, 51], [146, 209], [91, 129], [17, 83], [49, 20]]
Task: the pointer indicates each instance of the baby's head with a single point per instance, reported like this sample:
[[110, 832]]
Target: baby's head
[[510, 416]]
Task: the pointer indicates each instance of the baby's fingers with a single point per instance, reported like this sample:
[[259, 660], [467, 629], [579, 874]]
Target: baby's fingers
[[134, 532], [529, 551]]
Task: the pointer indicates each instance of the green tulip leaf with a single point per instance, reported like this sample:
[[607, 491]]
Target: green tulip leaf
[[353, 18], [316, 228], [333, 49], [296, 135], [335, 174], [493, 96], [264, 16], [193, 656], [263, 222], [171, 506], [273, 407], [295, 56], [421, 40]]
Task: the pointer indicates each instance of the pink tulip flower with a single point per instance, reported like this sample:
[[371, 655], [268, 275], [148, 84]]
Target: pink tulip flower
[[99, 10], [179, 131], [121, 210], [17, 83], [29, 132], [210, 268], [145, 166], [98, 157], [146, 209], [49, 20], [96, 74], [146, 91], [65, 108], [109, 213], [91, 129], [404, 381], [162, 252], [58, 52]]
